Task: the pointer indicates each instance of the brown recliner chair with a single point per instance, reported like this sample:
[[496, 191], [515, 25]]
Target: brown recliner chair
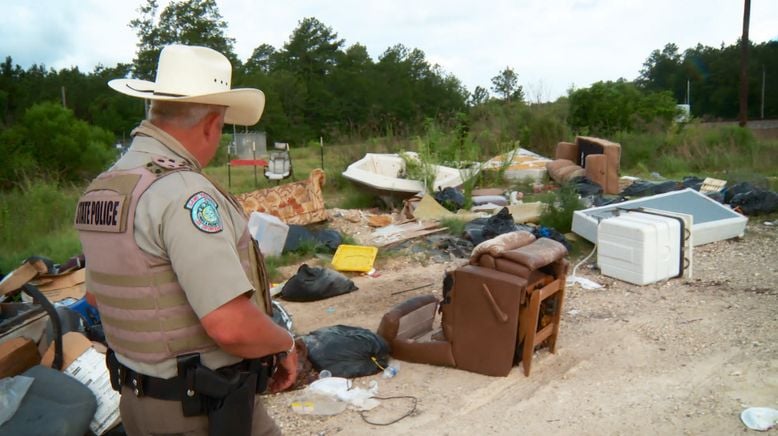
[[490, 311], [597, 159]]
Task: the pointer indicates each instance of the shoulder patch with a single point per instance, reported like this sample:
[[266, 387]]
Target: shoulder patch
[[204, 212]]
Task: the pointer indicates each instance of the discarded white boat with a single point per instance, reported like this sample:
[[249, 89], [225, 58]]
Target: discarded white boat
[[387, 173]]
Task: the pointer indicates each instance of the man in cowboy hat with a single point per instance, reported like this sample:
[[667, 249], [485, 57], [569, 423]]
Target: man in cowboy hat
[[179, 283]]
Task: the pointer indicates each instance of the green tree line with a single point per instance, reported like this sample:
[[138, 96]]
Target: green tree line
[[317, 86], [708, 77]]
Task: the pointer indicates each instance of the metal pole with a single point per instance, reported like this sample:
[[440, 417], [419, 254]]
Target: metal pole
[[254, 157], [687, 90], [321, 146], [744, 66], [64, 103], [763, 77]]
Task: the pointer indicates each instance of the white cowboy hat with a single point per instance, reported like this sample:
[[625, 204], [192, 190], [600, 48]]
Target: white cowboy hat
[[197, 75]]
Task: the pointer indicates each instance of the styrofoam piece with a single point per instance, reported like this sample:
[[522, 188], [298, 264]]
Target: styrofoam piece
[[269, 232], [640, 248], [713, 221]]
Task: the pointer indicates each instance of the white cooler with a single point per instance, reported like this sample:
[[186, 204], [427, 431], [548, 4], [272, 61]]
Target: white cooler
[[640, 247], [269, 231]]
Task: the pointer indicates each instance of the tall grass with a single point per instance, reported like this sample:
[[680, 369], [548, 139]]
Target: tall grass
[[36, 219], [695, 149]]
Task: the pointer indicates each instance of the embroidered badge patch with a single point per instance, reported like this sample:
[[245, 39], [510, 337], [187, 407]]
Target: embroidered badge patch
[[205, 213]]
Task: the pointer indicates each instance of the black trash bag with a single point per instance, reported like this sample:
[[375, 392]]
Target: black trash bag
[[450, 198], [642, 188], [499, 223], [605, 200], [299, 235], [347, 351], [551, 233], [329, 238], [474, 231], [482, 229], [718, 196], [693, 182], [585, 187], [738, 188], [756, 202], [296, 237], [314, 283]]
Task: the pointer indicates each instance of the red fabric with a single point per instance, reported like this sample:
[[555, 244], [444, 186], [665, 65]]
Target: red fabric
[[248, 163]]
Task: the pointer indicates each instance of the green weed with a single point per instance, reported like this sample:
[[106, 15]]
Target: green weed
[[559, 213], [36, 219]]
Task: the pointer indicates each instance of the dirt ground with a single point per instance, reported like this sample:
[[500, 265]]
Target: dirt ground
[[683, 356]]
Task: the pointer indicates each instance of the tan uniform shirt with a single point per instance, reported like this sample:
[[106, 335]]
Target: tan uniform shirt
[[206, 262]]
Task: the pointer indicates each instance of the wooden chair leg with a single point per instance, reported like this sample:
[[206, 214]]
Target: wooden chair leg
[[560, 298], [531, 326]]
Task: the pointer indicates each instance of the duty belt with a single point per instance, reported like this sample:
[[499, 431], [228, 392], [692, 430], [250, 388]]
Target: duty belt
[[178, 388]]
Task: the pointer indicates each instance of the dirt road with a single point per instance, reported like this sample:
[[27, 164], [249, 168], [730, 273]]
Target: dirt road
[[677, 357]]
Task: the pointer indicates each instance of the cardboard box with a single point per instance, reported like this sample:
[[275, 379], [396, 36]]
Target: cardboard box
[[84, 363]]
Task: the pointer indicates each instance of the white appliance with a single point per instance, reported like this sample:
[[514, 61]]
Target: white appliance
[[643, 247]]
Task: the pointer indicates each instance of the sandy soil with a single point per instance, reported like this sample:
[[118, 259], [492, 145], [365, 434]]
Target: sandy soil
[[676, 357]]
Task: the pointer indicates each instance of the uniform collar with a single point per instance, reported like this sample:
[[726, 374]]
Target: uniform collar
[[146, 128]]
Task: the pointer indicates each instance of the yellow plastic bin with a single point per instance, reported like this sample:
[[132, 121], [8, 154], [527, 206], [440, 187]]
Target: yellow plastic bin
[[358, 258]]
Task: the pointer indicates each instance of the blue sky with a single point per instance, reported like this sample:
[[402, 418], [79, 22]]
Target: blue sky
[[551, 44]]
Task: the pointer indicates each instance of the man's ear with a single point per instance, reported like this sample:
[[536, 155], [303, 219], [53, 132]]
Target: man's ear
[[212, 125]]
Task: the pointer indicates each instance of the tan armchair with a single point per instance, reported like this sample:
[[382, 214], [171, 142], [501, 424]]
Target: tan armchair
[[597, 159], [490, 312]]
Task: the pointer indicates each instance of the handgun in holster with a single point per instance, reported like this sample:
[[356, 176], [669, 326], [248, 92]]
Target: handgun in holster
[[226, 396]]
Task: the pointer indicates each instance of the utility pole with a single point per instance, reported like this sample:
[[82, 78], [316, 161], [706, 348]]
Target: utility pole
[[64, 103], [763, 77], [744, 66]]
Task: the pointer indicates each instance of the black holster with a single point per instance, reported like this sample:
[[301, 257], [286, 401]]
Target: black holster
[[225, 395]]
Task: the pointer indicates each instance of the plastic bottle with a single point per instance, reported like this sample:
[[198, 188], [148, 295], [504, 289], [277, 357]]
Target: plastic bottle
[[391, 370]]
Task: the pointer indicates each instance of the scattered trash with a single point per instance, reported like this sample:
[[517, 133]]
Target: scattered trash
[[14, 389], [299, 235], [548, 232], [347, 351], [269, 232], [643, 188], [332, 395], [309, 403], [518, 164], [759, 418], [391, 370], [379, 220], [711, 185], [755, 202], [315, 283], [583, 281], [357, 258], [396, 233], [387, 172], [411, 289], [450, 198]]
